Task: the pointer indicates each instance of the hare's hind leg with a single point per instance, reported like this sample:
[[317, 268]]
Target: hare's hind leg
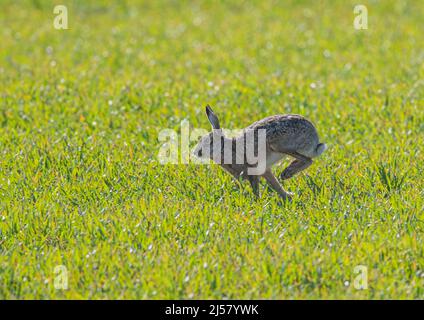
[[274, 184], [300, 163], [254, 182]]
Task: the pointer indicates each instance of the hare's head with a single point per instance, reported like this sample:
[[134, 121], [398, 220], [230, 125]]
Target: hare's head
[[211, 145]]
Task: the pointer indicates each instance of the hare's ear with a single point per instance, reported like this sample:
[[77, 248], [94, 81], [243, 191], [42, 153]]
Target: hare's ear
[[213, 119]]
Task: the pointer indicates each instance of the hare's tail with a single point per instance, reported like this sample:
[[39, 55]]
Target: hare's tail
[[321, 147]]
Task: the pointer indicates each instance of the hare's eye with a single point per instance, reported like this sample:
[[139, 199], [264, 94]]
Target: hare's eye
[[199, 153]]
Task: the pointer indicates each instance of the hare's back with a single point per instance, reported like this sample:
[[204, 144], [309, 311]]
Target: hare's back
[[283, 125], [289, 132]]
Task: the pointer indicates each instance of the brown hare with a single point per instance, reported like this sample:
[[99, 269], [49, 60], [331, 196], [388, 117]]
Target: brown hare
[[289, 134]]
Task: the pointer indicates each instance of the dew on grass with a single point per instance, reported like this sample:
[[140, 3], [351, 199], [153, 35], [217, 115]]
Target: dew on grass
[[327, 54]]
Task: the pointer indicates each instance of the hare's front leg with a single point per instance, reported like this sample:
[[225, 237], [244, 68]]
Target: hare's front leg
[[301, 163], [274, 184]]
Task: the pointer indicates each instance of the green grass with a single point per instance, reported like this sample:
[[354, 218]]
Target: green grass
[[80, 182]]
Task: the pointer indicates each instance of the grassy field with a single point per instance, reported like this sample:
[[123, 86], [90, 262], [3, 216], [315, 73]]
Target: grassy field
[[80, 181]]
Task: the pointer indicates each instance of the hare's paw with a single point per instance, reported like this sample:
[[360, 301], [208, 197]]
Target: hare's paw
[[287, 196]]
